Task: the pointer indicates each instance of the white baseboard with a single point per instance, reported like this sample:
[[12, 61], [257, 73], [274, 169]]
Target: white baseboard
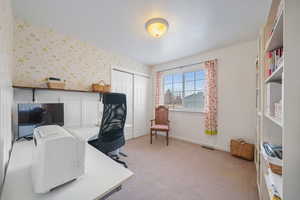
[[217, 147], [140, 135]]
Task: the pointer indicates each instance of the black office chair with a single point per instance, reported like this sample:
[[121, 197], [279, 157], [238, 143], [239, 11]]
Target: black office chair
[[111, 135]]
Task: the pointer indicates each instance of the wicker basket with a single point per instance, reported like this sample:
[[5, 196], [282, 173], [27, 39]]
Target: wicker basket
[[275, 168], [54, 85], [101, 87], [242, 149]]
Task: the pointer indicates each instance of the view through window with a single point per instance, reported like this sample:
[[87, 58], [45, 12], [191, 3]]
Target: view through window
[[185, 90]]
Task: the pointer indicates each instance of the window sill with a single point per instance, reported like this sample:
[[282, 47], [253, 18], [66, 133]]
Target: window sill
[[186, 110]]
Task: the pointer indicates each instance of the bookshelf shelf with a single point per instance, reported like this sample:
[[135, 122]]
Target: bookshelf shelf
[[276, 39], [273, 119], [276, 75], [54, 89]]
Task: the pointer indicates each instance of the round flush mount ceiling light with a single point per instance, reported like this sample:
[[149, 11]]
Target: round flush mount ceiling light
[[157, 27]]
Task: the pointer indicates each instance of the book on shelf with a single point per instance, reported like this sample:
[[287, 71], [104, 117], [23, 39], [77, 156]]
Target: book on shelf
[[275, 59]]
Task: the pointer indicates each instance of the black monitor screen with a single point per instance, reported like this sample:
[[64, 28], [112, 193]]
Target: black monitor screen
[[31, 116]]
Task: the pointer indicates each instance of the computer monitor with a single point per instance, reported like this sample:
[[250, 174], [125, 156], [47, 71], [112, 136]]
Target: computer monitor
[[34, 115]]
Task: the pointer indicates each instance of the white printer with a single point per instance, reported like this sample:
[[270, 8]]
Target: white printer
[[58, 157]]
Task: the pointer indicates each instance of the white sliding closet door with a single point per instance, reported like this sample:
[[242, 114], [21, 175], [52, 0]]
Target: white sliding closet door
[[122, 82], [141, 105]]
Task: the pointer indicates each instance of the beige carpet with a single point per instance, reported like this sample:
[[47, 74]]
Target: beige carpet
[[185, 171]]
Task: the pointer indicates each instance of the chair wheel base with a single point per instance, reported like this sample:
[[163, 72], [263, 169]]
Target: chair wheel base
[[121, 162]]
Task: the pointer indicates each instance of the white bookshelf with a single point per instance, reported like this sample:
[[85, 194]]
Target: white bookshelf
[[276, 39], [285, 29], [269, 128]]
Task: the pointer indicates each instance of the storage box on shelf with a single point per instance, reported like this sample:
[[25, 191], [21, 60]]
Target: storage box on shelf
[[273, 109]]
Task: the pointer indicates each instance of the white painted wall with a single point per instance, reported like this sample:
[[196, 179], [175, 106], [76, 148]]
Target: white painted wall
[[6, 63], [236, 97]]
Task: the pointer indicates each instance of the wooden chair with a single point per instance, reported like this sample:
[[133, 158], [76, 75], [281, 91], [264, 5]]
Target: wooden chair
[[162, 122]]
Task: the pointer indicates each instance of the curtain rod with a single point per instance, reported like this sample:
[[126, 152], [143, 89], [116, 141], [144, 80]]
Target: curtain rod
[[183, 66]]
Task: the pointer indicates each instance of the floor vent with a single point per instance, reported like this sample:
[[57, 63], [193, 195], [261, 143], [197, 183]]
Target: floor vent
[[208, 147]]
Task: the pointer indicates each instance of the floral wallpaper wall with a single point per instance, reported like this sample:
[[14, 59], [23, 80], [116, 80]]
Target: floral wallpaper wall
[[6, 43], [6, 92], [42, 53]]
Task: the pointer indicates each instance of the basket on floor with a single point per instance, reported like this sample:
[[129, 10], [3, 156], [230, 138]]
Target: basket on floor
[[242, 149]]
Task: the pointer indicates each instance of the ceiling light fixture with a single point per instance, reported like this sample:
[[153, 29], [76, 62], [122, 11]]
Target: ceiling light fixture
[[157, 27]]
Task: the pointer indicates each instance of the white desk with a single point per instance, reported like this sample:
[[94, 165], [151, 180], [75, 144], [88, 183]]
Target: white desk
[[86, 133], [102, 176]]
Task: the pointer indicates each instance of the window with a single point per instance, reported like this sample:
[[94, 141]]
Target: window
[[184, 90]]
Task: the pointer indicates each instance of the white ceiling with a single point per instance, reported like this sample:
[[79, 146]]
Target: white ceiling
[[119, 25]]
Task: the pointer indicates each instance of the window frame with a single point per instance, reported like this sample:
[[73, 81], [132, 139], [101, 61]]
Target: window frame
[[183, 72]]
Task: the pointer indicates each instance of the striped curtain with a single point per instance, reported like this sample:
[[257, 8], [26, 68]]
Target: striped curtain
[[211, 124], [158, 88]]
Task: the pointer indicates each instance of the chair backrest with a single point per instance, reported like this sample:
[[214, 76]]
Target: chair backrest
[[161, 115], [114, 117]]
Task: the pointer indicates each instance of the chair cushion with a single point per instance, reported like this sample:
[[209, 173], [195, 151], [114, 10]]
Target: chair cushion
[[160, 127]]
